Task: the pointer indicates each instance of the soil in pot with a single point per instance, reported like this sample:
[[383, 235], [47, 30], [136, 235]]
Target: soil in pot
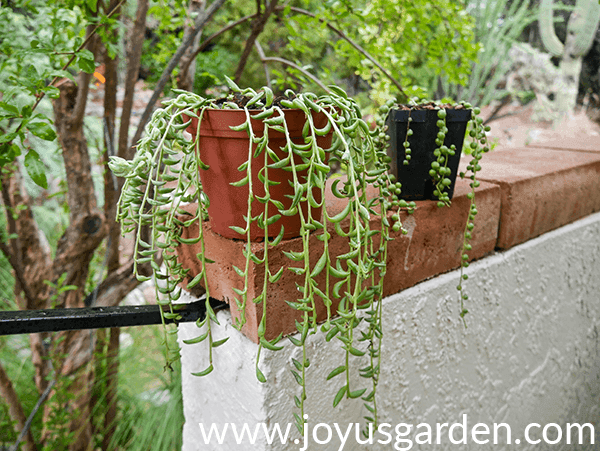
[[224, 150], [416, 182]]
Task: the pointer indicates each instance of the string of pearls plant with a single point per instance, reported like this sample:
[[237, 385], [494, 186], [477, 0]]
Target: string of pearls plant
[[166, 172], [440, 172], [477, 147]]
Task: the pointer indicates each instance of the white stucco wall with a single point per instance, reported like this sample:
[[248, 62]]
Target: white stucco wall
[[531, 353]]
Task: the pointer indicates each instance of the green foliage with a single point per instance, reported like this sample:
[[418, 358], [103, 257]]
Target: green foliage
[[145, 421], [145, 426], [40, 43], [151, 410], [166, 20], [35, 168], [36, 39], [15, 357], [498, 26], [210, 67], [164, 155], [417, 41]]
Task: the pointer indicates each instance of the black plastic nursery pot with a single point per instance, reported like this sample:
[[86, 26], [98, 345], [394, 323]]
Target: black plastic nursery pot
[[416, 182]]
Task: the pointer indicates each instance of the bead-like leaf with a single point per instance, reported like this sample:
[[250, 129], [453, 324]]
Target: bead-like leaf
[[260, 376]]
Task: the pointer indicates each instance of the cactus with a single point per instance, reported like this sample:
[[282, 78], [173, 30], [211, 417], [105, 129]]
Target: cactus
[[581, 29]]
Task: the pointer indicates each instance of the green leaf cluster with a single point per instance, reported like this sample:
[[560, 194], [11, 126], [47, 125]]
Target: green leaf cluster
[[166, 172]]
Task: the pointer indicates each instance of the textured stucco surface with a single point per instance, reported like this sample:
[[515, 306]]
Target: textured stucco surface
[[531, 353]]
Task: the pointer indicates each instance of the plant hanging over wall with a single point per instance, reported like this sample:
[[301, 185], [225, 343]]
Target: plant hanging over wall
[[437, 131], [168, 170]]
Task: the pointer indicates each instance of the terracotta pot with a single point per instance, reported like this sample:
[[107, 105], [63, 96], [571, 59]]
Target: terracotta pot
[[224, 150]]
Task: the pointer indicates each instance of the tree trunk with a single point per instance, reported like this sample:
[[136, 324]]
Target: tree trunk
[[134, 54], [258, 25], [86, 230]]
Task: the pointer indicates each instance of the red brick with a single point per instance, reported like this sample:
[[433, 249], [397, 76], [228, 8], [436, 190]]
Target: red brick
[[581, 144], [435, 237], [542, 189], [431, 247]]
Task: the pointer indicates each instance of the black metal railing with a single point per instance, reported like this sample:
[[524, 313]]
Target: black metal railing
[[54, 320]]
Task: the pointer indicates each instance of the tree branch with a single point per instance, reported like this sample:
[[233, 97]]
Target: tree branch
[[28, 251], [5, 189], [258, 26], [200, 22], [185, 78], [81, 196], [263, 60], [134, 56], [31, 260], [41, 94], [18, 272], [115, 287], [215, 35], [83, 83], [295, 66], [15, 408], [350, 41], [111, 186]]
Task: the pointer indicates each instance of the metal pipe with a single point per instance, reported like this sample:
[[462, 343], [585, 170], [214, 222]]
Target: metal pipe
[[36, 321]]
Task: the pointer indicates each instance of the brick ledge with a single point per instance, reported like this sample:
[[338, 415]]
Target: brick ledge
[[524, 192]]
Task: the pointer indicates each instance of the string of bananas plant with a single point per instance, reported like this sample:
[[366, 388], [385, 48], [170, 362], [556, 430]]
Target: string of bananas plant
[[166, 173]]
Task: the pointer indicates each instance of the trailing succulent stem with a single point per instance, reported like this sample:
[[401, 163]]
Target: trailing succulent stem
[[478, 146], [166, 174], [440, 172]]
